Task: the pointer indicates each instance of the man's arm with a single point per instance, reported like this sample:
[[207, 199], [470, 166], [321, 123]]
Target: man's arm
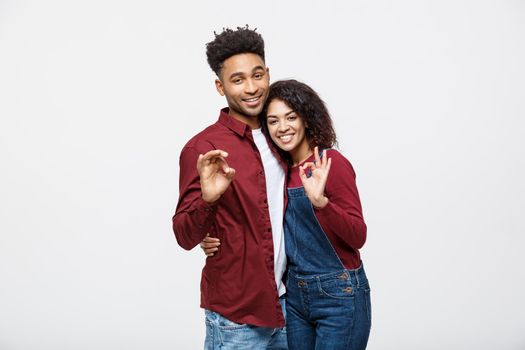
[[203, 179]]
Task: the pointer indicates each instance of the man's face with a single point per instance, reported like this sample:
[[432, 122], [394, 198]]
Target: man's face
[[244, 80]]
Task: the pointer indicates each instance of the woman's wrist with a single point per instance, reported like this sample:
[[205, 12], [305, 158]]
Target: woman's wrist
[[321, 202]]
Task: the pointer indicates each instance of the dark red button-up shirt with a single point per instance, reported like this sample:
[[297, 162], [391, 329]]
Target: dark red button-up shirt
[[238, 281]]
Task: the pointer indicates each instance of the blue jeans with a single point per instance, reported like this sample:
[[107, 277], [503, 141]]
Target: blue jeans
[[328, 312], [224, 334]]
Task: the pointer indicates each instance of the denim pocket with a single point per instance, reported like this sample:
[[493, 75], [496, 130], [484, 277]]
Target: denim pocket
[[224, 324], [337, 288]]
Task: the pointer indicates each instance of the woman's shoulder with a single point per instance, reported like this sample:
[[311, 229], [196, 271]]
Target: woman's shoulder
[[336, 155], [339, 161]]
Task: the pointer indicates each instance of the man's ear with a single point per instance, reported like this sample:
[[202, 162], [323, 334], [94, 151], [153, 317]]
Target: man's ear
[[219, 87], [268, 72]]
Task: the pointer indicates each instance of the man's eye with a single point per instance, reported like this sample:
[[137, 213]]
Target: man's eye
[[258, 76], [237, 81]]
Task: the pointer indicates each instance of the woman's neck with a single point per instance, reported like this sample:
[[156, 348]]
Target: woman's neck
[[300, 154]]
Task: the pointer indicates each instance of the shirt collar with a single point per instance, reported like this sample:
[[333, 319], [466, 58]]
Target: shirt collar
[[231, 123], [240, 129]]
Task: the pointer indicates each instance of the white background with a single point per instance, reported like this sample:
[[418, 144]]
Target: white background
[[97, 99]]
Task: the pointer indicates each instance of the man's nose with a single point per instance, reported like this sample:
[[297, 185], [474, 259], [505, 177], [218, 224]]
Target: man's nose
[[251, 87]]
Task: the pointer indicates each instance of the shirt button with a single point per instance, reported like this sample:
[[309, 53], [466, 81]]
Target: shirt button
[[269, 230], [265, 201]]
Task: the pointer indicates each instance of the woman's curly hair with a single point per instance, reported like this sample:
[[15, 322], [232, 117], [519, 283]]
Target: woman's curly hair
[[301, 98], [232, 42]]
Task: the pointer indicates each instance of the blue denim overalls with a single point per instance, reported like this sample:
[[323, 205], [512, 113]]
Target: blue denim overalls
[[328, 306]]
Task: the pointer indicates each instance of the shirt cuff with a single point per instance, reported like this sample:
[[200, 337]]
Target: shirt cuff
[[326, 214], [202, 205]]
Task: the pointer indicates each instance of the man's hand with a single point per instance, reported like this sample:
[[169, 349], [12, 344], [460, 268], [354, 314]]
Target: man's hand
[[210, 245], [314, 185], [215, 174]]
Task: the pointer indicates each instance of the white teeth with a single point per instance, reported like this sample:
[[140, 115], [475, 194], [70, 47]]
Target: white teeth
[[285, 138], [252, 99]]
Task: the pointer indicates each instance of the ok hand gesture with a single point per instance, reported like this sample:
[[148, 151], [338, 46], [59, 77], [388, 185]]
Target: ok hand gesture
[[315, 184], [215, 174]]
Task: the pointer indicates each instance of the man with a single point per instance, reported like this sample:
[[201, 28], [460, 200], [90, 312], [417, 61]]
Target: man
[[236, 194]]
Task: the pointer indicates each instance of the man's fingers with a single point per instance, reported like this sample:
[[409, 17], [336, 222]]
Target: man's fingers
[[200, 161], [216, 153], [230, 173], [224, 165]]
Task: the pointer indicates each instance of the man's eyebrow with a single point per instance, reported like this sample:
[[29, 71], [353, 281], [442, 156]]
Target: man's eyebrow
[[236, 74]]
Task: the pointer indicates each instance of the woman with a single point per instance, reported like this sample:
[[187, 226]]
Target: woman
[[328, 295]]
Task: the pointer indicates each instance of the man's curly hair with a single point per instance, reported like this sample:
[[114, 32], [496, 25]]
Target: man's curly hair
[[301, 98], [232, 42]]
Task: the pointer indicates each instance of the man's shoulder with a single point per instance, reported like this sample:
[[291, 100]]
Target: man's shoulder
[[215, 136], [204, 135]]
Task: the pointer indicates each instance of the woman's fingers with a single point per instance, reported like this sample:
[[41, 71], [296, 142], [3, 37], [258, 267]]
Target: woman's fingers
[[210, 245], [316, 156], [310, 165], [324, 161], [302, 174], [328, 165]]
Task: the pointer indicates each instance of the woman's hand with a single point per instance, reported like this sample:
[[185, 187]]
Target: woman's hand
[[315, 184], [210, 245]]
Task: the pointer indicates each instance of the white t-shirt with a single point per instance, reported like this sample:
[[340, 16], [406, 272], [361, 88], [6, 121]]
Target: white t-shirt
[[274, 175]]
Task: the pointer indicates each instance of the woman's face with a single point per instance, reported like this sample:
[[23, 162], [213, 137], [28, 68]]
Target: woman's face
[[286, 127]]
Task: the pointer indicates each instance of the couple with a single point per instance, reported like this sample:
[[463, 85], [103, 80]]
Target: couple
[[282, 205]]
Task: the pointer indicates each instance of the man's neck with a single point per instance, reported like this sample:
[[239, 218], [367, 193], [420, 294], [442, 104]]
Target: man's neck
[[252, 122]]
